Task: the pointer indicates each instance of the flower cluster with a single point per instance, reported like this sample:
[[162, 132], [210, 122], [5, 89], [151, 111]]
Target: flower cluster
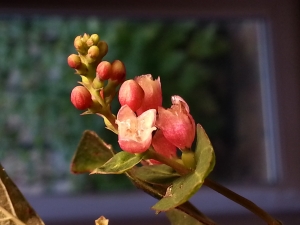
[[99, 79], [142, 113], [141, 122]]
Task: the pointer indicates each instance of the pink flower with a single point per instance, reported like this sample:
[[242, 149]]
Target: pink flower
[[153, 94], [135, 133], [131, 94], [177, 125], [162, 146]]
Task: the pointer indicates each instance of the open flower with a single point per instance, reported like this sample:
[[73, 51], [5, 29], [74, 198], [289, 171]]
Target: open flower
[[135, 133], [176, 123], [153, 95]]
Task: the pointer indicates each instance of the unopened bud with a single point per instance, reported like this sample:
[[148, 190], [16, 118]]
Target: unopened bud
[[95, 38], [118, 71], [85, 37], [97, 83], [131, 94], [93, 52], [104, 70], [81, 98], [103, 48], [80, 45], [74, 61]]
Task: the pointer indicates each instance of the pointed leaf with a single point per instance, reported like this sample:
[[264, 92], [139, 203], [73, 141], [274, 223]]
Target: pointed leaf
[[119, 163], [204, 154], [178, 217], [156, 174], [184, 187], [14, 209], [92, 152]]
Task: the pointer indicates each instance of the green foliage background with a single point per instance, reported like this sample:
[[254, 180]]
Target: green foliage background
[[40, 129]]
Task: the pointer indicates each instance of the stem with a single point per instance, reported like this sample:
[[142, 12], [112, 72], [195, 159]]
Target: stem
[[241, 201], [182, 170]]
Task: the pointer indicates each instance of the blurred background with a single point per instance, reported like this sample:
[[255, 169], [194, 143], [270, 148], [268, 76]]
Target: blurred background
[[223, 63]]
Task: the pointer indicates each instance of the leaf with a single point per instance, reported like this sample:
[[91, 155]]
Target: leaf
[[186, 186], [178, 217], [204, 154], [14, 209], [158, 191], [156, 174], [92, 152], [119, 163]]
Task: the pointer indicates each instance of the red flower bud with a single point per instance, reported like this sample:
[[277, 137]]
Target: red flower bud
[[162, 146], [104, 70], [74, 61], [131, 94], [81, 98], [152, 89], [118, 71], [177, 125]]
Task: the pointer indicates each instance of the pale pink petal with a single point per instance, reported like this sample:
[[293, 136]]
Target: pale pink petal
[[153, 93]]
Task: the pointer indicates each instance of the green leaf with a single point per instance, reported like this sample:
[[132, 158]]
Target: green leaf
[[119, 163], [186, 186], [92, 152], [14, 209], [156, 174], [178, 217], [204, 154]]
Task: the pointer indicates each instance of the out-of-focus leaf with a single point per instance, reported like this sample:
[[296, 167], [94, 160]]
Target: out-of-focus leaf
[[156, 174], [14, 209], [186, 186], [119, 163], [92, 152], [178, 217]]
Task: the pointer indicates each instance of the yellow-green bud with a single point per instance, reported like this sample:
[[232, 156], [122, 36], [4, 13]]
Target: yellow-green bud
[[103, 48], [93, 52], [95, 38], [79, 45], [85, 37], [97, 83]]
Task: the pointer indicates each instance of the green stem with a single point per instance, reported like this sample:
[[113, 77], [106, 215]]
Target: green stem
[[182, 170]]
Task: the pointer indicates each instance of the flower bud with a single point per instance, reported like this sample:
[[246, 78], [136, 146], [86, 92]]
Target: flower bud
[[81, 98], [131, 94], [177, 125], [93, 40], [153, 94], [162, 146], [103, 48], [80, 45], [104, 70], [97, 83], [74, 61], [118, 71], [93, 52]]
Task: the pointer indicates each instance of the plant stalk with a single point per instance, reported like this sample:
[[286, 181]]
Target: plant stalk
[[182, 170]]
